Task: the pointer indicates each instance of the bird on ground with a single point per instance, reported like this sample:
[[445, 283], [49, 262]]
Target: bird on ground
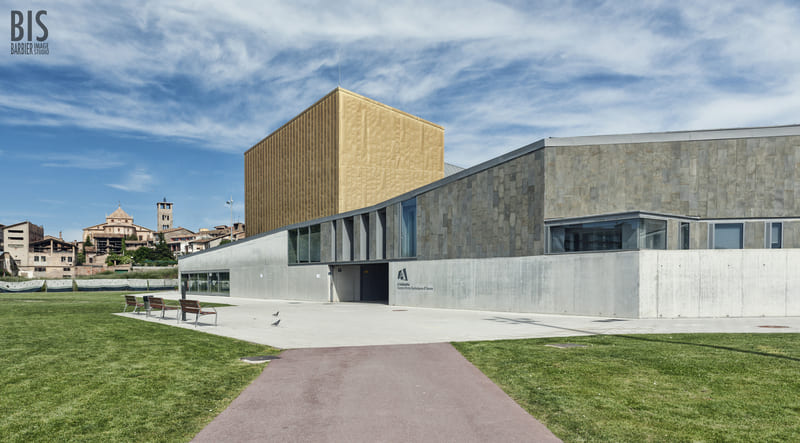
[[276, 323], [276, 313]]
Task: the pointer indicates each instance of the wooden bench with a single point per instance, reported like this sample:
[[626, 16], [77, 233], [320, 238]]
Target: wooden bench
[[157, 303], [130, 300], [193, 307]]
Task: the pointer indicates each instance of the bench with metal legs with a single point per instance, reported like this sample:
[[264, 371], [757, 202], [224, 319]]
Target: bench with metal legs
[[193, 307], [130, 300]]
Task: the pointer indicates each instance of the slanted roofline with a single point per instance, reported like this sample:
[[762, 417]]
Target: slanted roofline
[[651, 137]]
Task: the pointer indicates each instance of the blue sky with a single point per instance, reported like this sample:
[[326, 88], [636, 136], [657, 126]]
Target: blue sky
[[143, 100]]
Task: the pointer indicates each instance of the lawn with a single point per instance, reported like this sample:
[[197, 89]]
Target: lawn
[[69, 370], [680, 387]]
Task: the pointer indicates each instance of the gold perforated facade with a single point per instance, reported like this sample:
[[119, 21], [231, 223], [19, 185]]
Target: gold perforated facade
[[344, 152]]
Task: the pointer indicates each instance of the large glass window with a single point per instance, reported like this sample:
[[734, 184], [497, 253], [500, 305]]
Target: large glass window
[[208, 283], [655, 234], [408, 228], [633, 233], [304, 244], [728, 236]]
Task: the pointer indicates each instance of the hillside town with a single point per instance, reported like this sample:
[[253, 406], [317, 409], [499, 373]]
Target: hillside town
[[117, 244]]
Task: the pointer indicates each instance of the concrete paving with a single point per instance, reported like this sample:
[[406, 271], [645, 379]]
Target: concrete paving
[[413, 393], [315, 325]]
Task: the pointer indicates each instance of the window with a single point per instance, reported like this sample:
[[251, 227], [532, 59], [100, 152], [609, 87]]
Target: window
[[727, 236], [44, 258], [210, 283], [684, 235], [611, 235], [66, 269], [63, 259], [304, 244], [35, 258], [40, 269], [774, 237], [408, 228], [70, 259]]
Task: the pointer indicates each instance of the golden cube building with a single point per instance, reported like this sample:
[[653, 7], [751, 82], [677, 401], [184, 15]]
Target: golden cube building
[[345, 152]]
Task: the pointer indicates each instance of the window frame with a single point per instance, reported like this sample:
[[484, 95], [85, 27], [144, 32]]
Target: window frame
[[712, 234]]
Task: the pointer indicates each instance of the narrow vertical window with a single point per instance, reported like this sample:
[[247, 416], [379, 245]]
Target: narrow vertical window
[[408, 228], [684, 235], [775, 235]]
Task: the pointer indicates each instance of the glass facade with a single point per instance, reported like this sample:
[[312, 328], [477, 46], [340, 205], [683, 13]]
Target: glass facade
[[208, 283], [611, 235], [304, 244], [408, 228]]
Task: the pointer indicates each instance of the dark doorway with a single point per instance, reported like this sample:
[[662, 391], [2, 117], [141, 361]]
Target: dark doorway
[[375, 283]]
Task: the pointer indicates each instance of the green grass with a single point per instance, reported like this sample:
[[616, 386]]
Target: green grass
[[638, 388], [69, 370]]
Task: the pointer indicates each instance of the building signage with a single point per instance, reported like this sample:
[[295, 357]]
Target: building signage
[[404, 284], [29, 33]]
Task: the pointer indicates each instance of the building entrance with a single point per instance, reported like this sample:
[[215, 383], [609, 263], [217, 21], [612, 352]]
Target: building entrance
[[365, 283]]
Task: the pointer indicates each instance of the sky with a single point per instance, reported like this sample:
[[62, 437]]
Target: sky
[[140, 101]]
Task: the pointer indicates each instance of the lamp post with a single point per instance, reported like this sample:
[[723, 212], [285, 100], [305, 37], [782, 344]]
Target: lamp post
[[230, 203]]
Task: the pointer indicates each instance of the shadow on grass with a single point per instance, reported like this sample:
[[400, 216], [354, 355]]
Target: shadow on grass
[[530, 321]]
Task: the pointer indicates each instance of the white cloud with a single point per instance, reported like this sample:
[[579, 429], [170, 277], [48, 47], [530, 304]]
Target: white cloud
[[136, 181], [223, 75]]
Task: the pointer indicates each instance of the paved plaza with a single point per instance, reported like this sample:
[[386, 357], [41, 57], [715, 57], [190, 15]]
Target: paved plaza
[[322, 325]]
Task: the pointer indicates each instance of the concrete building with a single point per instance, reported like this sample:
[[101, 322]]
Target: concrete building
[[18, 239], [344, 152], [676, 224], [35, 255]]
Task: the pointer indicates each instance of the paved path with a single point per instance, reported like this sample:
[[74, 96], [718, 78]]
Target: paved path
[[400, 393]]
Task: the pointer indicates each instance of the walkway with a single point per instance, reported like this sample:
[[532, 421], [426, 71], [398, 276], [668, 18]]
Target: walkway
[[401, 393]]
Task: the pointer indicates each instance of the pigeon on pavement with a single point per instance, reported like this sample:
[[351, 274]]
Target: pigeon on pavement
[[276, 323]]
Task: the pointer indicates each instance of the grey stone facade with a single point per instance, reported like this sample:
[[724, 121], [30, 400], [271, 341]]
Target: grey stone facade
[[744, 177], [494, 213]]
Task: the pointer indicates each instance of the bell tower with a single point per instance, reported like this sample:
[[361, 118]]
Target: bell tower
[[164, 215]]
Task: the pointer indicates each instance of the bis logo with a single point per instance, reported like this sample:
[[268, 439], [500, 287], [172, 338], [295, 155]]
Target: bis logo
[[22, 33]]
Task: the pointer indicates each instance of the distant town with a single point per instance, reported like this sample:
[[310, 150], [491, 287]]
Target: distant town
[[118, 245]]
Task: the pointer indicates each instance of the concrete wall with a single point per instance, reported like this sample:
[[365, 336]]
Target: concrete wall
[[259, 269], [719, 283], [636, 284], [750, 177], [590, 284], [494, 213], [346, 283]]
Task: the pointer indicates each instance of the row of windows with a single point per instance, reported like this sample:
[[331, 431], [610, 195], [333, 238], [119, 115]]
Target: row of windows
[[207, 283], [731, 235], [644, 233]]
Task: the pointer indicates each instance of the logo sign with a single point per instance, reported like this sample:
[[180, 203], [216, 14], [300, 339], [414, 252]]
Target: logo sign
[[404, 285], [29, 33]]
